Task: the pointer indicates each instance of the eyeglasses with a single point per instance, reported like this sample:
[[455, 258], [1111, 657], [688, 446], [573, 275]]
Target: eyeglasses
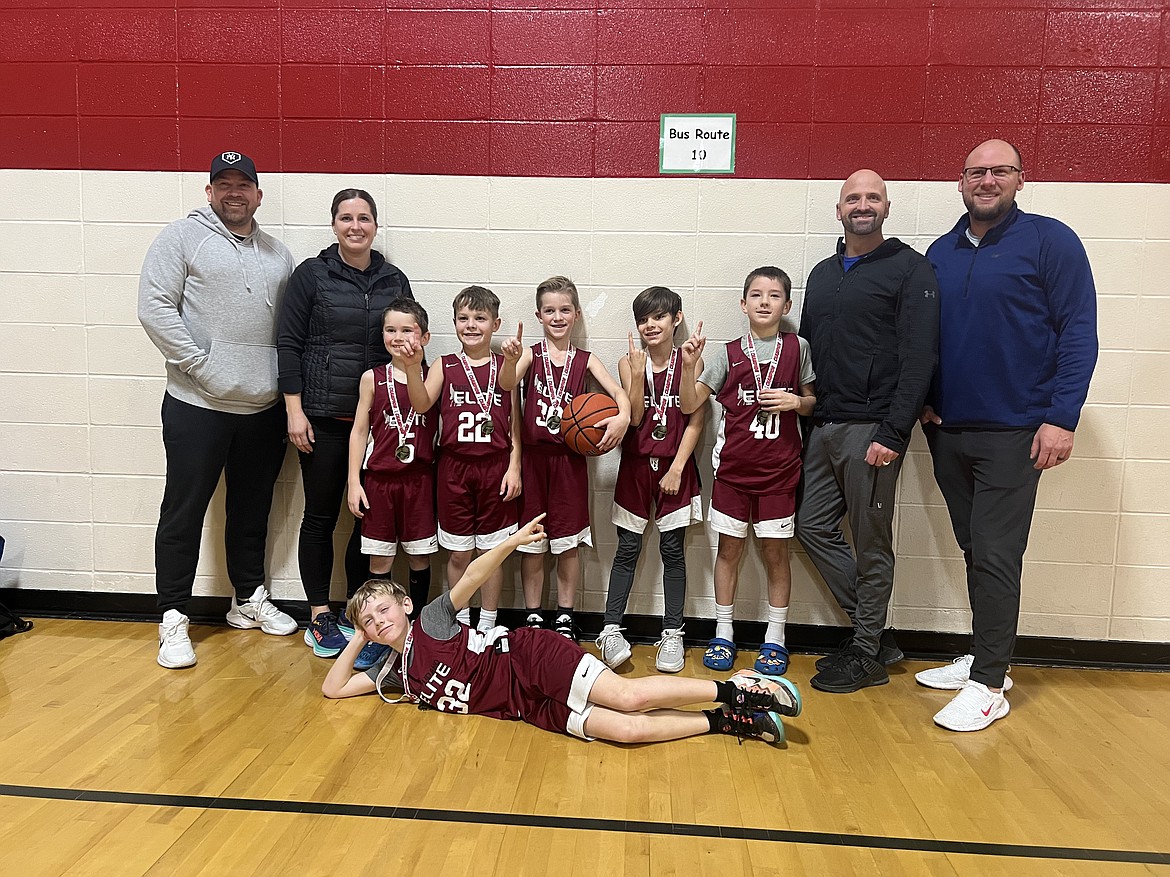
[[1000, 172]]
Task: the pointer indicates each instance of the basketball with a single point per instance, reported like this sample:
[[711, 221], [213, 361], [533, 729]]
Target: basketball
[[579, 421]]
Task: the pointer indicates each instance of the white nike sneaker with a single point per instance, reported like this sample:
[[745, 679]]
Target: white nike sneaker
[[672, 653], [953, 676], [174, 643], [258, 611], [615, 651], [974, 708]]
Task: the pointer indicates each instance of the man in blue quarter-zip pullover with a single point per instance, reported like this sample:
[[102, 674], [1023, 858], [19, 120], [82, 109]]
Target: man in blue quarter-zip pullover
[[1017, 346]]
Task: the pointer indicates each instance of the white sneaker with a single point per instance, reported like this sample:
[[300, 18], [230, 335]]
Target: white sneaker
[[671, 651], [953, 676], [973, 708], [615, 651], [174, 644], [258, 611]]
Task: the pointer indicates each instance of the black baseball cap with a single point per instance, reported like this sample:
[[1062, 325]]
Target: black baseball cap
[[234, 161]]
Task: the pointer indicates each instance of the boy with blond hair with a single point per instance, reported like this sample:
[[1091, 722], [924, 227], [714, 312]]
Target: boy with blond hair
[[537, 676], [556, 480]]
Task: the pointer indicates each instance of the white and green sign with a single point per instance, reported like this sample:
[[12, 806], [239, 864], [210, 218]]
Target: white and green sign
[[697, 143]]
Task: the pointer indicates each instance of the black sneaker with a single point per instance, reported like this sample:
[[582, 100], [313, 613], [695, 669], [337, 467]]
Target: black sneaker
[[833, 657], [888, 651], [747, 724], [566, 626], [852, 672], [534, 619]]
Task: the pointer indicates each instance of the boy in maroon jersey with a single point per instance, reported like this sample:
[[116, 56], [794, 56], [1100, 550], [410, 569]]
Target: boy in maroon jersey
[[478, 473], [657, 477], [396, 502], [536, 675], [762, 381], [556, 480]]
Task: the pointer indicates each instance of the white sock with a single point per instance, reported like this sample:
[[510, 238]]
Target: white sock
[[777, 616], [487, 619], [463, 616], [723, 625]]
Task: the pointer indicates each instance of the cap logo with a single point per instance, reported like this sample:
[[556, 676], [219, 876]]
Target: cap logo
[[231, 157]]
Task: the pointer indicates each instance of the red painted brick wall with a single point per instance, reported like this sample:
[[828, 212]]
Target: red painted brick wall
[[574, 87]]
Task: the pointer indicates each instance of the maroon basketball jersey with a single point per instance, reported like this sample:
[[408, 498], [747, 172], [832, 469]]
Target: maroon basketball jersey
[[420, 438], [750, 455], [641, 440], [537, 395], [481, 674], [462, 420]]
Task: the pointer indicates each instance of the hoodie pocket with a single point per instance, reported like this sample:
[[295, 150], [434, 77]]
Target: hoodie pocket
[[236, 372]]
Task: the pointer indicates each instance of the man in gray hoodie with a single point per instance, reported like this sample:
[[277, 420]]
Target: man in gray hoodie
[[208, 296]]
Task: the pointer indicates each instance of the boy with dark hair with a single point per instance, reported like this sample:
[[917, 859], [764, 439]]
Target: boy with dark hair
[[537, 676], [396, 500], [756, 456], [657, 477], [478, 473]]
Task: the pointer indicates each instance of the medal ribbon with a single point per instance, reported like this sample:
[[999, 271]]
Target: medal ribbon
[[749, 347], [403, 426], [658, 407], [555, 400], [482, 398]]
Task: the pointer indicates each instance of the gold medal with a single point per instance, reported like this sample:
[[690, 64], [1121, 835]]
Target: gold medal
[[553, 422], [659, 432], [486, 427], [404, 453], [762, 418]]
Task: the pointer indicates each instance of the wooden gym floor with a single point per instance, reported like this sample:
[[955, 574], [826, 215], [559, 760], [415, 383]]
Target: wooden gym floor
[[112, 765]]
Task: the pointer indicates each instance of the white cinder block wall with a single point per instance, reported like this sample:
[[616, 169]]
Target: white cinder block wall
[[81, 460]]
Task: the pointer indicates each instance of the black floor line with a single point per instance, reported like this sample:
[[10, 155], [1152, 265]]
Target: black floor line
[[576, 823]]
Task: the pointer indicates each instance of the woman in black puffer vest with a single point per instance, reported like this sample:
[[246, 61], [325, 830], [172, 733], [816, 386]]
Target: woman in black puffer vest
[[330, 332]]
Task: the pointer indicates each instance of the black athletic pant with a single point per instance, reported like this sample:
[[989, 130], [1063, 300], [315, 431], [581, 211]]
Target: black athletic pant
[[200, 444], [674, 575], [324, 473], [989, 484], [837, 483]]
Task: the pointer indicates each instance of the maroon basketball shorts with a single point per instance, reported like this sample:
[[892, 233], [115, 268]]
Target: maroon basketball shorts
[[770, 515], [557, 484], [402, 510], [638, 496], [472, 514], [554, 677]]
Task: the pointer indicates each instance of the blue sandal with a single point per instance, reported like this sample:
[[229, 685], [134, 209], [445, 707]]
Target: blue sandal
[[772, 660], [720, 655]]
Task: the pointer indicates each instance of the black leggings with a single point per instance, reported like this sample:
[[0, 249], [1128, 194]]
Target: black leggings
[[674, 576], [324, 474]]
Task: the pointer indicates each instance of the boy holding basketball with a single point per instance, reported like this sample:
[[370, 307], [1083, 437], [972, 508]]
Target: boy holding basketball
[[763, 380], [479, 449], [396, 500], [556, 480], [536, 675], [657, 477]]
